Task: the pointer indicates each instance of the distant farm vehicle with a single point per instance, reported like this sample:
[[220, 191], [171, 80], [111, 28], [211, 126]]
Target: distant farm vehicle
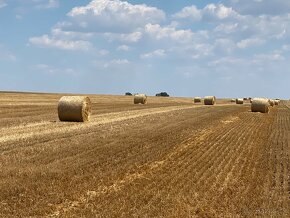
[[128, 93]]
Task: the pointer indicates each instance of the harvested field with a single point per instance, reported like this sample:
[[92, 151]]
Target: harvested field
[[168, 158]]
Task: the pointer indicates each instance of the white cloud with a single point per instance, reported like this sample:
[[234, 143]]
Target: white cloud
[[114, 16], [192, 51], [57, 32], [156, 53], [157, 32], [226, 61], [189, 12], [218, 12], [227, 28], [224, 45], [130, 37], [104, 52], [44, 68], [264, 58], [50, 42], [245, 43], [211, 12], [123, 48], [116, 62]]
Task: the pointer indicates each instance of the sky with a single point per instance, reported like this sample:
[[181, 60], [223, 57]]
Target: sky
[[230, 48]]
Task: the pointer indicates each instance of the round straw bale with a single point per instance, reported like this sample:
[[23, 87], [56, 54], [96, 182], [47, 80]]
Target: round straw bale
[[271, 102], [233, 100], [260, 105], [209, 100], [197, 100], [74, 108], [239, 101], [276, 102], [140, 99]]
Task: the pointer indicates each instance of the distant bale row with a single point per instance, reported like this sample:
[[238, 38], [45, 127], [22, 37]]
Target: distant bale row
[[78, 108], [263, 104]]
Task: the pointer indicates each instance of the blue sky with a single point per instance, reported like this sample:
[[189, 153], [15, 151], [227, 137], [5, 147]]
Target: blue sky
[[231, 48]]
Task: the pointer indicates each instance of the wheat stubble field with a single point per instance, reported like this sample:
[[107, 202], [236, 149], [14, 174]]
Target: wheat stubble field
[[169, 158]]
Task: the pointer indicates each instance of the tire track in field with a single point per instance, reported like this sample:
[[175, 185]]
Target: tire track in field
[[277, 189], [216, 152]]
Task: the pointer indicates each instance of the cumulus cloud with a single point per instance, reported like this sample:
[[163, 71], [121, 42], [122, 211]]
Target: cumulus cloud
[[218, 12], [191, 12], [123, 48], [57, 32], [123, 37], [47, 69], [245, 43], [262, 58], [115, 63], [50, 42], [157, 32], [227, 61], [211, 12], [114, 16], [156, 53]]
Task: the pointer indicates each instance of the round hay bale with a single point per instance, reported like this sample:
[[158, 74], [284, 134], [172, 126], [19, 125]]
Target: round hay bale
[[251, 100], [260, 105], [276, 102], [239, 101], [271, 102], [74, 108], [140, 99], [209, 100], [233, 100], [197, 100]]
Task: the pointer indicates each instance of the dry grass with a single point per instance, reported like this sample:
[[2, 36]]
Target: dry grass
[[193, 161]]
